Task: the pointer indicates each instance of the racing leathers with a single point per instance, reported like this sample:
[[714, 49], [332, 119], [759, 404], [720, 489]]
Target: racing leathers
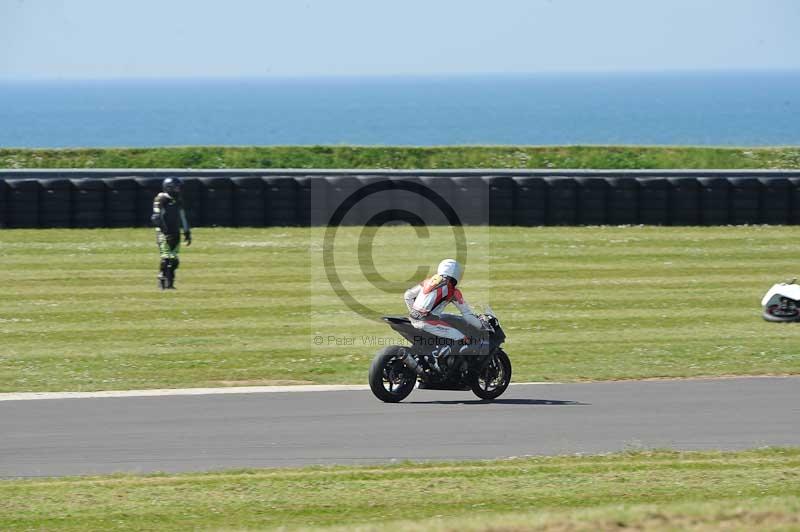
[[427, 300], [169, 218]]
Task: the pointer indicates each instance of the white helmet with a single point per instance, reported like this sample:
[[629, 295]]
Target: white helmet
[[450, 268]]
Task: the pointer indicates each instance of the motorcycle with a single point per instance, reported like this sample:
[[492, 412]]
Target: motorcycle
[[436, 363], [781, 303]]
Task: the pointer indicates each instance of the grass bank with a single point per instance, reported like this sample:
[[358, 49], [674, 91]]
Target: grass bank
[[79, 309], [749, 490], [610, 157]]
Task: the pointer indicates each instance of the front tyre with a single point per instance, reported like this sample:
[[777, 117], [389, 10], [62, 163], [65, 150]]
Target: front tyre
[[493, 379], [389, 379], [777, 313]]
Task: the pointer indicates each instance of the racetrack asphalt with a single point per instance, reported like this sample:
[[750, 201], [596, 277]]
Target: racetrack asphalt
[[56, 437]]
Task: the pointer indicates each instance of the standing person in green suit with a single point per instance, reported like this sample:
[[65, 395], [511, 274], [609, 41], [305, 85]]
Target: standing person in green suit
[[169, 218]]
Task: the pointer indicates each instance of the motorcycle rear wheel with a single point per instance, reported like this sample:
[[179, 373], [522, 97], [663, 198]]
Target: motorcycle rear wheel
[[389, 379], [493, 380]]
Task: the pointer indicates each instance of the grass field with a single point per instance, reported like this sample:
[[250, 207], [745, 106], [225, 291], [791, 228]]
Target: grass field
[[616, 157], [752, 490], [79, 309]]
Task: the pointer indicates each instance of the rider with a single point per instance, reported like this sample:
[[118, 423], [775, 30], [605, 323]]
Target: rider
[[168, 218], [426, 301]]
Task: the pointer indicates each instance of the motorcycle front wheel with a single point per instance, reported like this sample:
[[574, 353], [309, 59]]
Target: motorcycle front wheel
[[776, 314], [389, 379], [493, 379]]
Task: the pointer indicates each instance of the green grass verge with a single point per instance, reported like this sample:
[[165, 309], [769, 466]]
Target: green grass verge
[[612, 157], [79, 309], [752, 490]]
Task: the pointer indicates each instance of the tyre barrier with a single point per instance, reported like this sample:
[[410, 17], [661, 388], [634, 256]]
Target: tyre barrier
[[714, 198], [684, 201], [22, 203], [654, 201], [745, 203], [501, 200], [588, 198], [192, 200], [470, 200], [562, 201], [776, 201], [623, 201], [149, 187], [794, 200], [121, 201], [530, 201], [3, 192], [335, 192], [248, 202], [592, 200], [303, 205], [281, 202], [217, 201], [376, 183], [89, 200], [55, 203], [315, 191]]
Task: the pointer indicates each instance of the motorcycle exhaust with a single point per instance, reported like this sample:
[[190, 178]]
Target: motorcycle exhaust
[[412, 364]]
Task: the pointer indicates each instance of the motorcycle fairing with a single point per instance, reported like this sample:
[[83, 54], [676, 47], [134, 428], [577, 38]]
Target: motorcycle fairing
[[402, 325], [779, 290]]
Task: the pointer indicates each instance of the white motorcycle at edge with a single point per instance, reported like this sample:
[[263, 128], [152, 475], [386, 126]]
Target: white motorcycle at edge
[[781, 303]]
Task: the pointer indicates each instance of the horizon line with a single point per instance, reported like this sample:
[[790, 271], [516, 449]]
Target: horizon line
[[409, 75]]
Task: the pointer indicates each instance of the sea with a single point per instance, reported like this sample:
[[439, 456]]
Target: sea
[[677, 108]]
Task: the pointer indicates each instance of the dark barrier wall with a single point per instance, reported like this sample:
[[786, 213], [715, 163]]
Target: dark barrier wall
[[257, 198]]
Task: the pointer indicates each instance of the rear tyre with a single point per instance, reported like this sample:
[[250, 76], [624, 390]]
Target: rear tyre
[[389, 378], [494, 378], [774, 313]]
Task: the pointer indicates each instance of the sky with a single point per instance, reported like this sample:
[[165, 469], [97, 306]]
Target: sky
[[101, 39]]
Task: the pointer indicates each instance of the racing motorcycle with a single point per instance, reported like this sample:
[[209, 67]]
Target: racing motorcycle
[[782, 302], [438, 365]]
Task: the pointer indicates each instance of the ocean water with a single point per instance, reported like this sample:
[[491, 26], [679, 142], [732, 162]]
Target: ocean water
[[744, 109]]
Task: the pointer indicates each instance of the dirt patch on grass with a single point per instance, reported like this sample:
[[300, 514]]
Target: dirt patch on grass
[[737, 520]]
